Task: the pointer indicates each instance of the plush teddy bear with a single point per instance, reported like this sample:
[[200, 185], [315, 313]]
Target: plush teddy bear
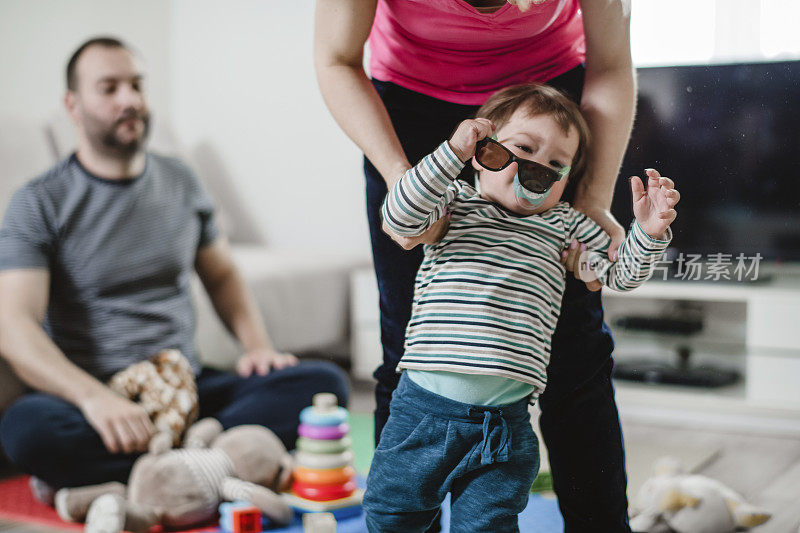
[[180, 488], [674, 501], [164, 386]]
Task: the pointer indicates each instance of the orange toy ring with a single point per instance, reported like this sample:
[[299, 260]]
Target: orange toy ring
[[322, 493], [332, 476]]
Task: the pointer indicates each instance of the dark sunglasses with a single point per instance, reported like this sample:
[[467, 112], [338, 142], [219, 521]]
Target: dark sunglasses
[[534, 176]]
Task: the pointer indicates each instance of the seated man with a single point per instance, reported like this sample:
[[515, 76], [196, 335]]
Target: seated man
[[95, 261]]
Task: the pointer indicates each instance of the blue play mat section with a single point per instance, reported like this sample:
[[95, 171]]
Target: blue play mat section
[[540, 516]]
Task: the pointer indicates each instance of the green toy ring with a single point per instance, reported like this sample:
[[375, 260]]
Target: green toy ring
[[324, 446], [321, 461]]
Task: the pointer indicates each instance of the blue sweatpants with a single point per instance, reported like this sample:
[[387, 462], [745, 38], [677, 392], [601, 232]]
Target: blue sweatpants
[[486, 456], [49, 438]]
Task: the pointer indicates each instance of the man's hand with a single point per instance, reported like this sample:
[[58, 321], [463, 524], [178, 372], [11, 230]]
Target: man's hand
[[654, 206], [262, 361], [123, 425], [432, 235], [467, 134]]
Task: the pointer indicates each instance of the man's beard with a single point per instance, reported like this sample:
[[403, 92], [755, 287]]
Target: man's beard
[[105, 139]]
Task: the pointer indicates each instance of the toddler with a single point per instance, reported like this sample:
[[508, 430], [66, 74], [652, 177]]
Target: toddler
[[487, 298]]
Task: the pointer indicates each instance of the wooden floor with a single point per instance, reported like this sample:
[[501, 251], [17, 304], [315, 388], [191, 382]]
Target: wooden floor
[[764, 469]]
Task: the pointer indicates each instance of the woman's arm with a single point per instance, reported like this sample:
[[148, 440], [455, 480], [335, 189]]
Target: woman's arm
[[420, 198], [608, 103], [341, 29]]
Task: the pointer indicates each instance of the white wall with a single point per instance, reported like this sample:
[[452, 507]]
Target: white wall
[[243, 84], [37, 38]]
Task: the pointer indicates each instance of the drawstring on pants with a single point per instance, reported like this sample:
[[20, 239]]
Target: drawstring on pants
[[490, 454]]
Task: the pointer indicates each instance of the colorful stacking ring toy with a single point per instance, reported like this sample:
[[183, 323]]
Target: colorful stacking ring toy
[[323, 473], [323, 493], [331, 476], [323, 432], [324, 446], [324, 461], [312, 416]]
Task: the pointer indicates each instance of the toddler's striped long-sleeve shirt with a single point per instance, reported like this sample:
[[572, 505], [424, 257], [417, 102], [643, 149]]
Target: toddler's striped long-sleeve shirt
[[488, 295]]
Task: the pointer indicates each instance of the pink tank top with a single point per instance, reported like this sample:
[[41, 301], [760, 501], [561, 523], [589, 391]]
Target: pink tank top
[[448, 50]]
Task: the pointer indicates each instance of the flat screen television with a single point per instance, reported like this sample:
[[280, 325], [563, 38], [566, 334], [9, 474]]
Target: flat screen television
[[729, 135]]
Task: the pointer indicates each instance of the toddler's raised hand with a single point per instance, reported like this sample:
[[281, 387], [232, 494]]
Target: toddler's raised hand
[[654, 205], [467, 134]]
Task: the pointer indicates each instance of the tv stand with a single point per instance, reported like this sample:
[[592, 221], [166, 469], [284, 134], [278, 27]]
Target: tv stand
[[683, 373], [680, 321], [749, 330]]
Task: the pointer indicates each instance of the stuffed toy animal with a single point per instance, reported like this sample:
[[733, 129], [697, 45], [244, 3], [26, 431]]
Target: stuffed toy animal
[[675, 501], [181, 488], [165, 387]]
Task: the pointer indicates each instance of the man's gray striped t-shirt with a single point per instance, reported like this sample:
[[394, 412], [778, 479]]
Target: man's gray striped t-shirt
[[120, 256]]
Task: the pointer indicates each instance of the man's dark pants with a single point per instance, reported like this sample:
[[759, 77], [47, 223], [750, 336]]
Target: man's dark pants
[[49, 438], [579, 420]]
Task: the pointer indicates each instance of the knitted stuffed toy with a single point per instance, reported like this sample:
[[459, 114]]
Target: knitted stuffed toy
[[184, 487], [164, 386]]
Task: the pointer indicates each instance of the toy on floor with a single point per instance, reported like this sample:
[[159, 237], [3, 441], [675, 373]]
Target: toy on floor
[[240, 517], [675, 501], [324, 474], [164, 386], [319, 523], [183, 487]]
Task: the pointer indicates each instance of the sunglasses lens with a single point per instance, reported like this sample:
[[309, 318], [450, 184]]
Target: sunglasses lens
[[537, 178], [491, 155]]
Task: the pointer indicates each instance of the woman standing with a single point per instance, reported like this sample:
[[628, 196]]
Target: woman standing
[[433, 63]]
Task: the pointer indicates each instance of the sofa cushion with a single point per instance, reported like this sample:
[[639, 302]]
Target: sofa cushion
[[25, 153], [303, 296]]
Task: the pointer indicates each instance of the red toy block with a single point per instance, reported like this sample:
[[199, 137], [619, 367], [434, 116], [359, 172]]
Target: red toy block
[[246, 520]]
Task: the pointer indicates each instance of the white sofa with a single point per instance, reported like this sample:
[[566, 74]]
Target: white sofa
[[24, 152], [303, 295]]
